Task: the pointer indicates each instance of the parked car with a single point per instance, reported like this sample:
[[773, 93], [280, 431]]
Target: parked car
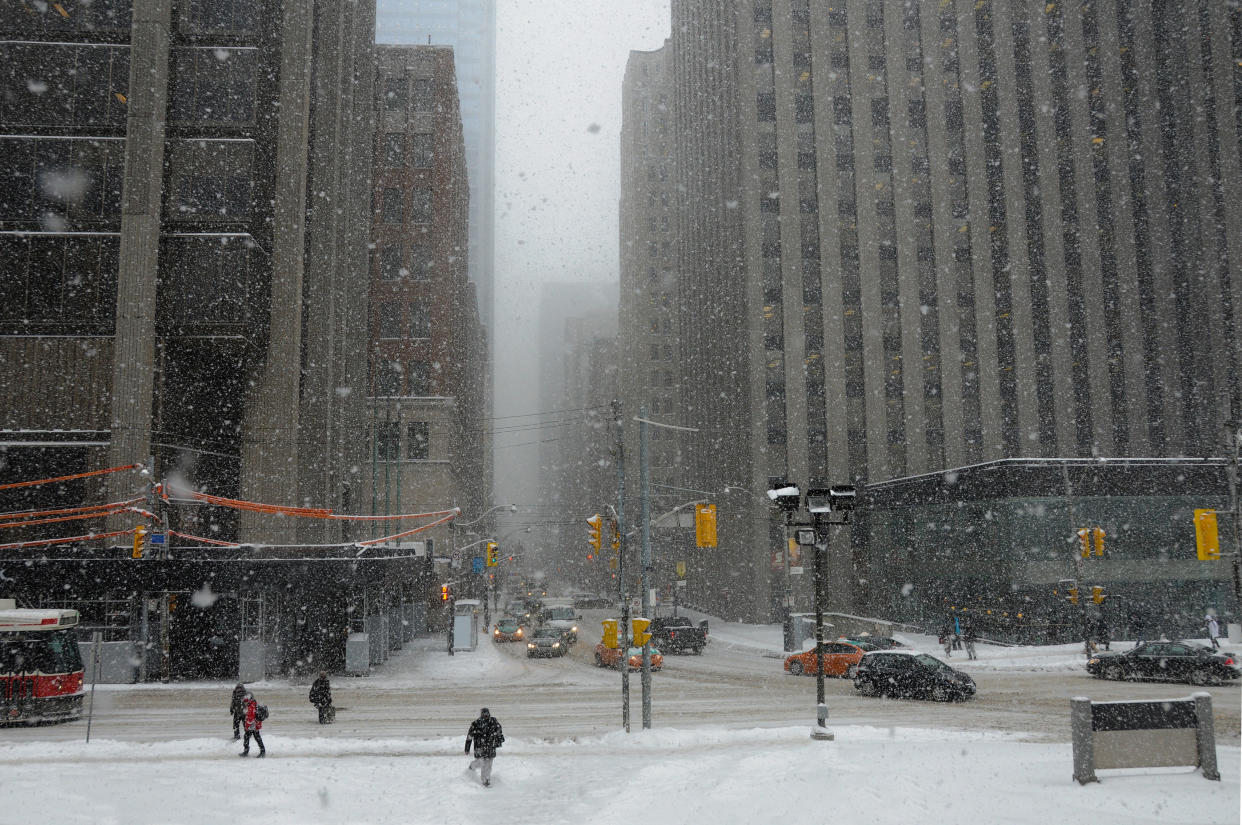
[[611, 657], [547, 641], [507, 629], [1171, 661], [677, 634], [908, 674], [840, 659]]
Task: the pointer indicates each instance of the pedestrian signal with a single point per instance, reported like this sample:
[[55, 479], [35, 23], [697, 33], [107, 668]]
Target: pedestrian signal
[[595, 530], [140, 541], [705, 525], [641, 636], [1207, 537], [610, 634]]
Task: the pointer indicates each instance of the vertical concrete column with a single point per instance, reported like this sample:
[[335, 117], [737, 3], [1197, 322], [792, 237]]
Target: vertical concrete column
[[1205, 735], [133, 359], [1084, 743], [269, 447]]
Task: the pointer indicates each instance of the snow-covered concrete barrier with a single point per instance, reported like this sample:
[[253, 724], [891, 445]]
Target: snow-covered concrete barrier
[[1143, 734]]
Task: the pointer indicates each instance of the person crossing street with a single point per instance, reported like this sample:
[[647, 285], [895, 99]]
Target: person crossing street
[[486, 735]]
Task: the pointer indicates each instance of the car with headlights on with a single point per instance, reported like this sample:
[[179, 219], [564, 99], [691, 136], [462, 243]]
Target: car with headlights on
[[508, 629], [564, 619], [913, 675], [611, 657], [547, 641], [1166, 661]]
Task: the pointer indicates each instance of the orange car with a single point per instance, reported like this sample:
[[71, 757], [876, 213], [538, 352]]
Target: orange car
[[611, 657], [840, 659]]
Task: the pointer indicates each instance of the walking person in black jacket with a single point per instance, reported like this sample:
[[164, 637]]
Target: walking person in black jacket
[[321, 698], [486, 735], [237, 709]]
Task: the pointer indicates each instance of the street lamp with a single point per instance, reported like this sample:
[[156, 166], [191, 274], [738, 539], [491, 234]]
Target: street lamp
[[827, 507]]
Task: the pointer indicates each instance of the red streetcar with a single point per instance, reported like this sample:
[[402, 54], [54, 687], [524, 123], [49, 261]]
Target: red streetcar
[[41, 669]]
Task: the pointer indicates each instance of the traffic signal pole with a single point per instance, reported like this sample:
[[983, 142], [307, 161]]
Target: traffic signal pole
[[645, 520], [622, 595]]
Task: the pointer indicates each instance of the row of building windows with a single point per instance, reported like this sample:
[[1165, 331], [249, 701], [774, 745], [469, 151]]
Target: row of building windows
[[421, 152], [417, 444], [399, 320], [393, 204], [412, 379]]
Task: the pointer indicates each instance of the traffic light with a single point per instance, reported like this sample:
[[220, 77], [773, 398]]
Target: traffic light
[[610, 634], [493, 554], [1098, 534], [705, 525], [444, 593], [1207, 538], [595, 531], [1097, 594], [616, 535], [140, 541], [1073, 595], [1084, 542], [640, 635]]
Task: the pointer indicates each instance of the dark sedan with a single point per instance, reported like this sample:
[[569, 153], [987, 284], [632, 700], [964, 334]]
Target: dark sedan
[[1170, 661], [547, 641], [906, 674]]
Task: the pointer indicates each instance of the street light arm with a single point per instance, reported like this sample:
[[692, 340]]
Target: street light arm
[[512, 508]]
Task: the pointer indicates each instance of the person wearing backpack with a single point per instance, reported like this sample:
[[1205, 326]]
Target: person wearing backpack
[[321, 698], [237, 709], [487, 736], [255, 714]]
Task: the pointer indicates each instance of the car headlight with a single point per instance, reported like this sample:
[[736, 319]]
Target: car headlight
[[518, 632], [1093, 661], [556, 644], [573, 629], [530, 645]]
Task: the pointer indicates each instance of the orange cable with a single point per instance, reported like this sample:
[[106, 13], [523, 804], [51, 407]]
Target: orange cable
[[66, 540], [27, 514], [39, 481], [407, 532]]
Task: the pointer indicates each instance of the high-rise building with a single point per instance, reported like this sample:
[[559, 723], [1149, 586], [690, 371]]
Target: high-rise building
[[469, 27], [913, 238], [428, 349]]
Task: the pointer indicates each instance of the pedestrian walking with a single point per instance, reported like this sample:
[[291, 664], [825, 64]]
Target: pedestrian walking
[[1213, 630], [486, 736], [1103, 633], [969, 636], [237, 709], [321, 698], [946, 639], [255, 714], [957, 633]]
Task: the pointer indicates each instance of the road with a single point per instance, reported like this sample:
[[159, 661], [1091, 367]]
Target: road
[[421, 692]]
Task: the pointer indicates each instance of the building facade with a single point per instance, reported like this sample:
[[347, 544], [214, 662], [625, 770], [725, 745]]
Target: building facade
[[914, 238], [428, 348]]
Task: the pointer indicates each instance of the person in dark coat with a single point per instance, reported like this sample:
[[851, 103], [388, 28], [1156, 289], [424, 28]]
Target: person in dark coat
[[486, 735], [969, 637], [253, 725], [321, 698], [237, 709]]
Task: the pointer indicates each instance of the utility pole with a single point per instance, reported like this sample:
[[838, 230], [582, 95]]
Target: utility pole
[[1073, 530], [624, 597], [645, 520], [1233, 431]]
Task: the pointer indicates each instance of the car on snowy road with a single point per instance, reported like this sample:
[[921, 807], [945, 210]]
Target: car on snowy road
[[841, 658], [1168, 661], [909, 674], [563, 618], [507, 629], [547, 641], [611, 657]]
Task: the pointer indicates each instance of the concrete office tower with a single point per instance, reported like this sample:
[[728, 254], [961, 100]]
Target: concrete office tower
[[918, 236], [428, 349], [183, 192], [469, 26]]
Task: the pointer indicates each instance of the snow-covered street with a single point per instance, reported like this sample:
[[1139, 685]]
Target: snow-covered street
[[729, 744]]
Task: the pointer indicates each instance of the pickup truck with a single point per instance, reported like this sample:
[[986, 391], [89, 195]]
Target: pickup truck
[[677, 634]]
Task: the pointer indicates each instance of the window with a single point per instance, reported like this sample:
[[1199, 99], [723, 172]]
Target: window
[[388, 441], [421, 261], [419, 441], [390, 262], [392, 208], [421, 206], [424, 96], [394, 150], [388, 379], [420, 378], [394, 94], [424, 149], [420, 319], [390, 320], [766, 107], [804, 108]]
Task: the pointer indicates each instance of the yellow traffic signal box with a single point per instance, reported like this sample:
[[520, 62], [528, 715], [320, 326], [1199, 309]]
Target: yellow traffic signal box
[[640, 635], [1207, 536], [493, 554], [610, 634], [705, 525], [595, 530], [1098, 534], [1084, 542], [1097, 594], [140, 541], [1073, 595]]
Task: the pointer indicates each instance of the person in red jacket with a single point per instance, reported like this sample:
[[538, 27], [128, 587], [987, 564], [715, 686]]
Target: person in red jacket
[[253, 725]]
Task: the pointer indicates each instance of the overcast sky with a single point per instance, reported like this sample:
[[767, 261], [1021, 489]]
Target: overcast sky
[[559, 65]]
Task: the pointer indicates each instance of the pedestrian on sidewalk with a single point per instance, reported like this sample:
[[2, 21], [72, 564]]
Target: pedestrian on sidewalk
[[969, 636], [321, 698], [486, 735], [255, 714], [237, 709], [1213, 630], [957, 633]]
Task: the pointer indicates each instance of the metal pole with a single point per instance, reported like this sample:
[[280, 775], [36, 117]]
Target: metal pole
[[1235, 435], [1082, 605], [387, 460], [397, 509], [622, 595], [821, 702], [645, 520], [375, 465], [96, 638]]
